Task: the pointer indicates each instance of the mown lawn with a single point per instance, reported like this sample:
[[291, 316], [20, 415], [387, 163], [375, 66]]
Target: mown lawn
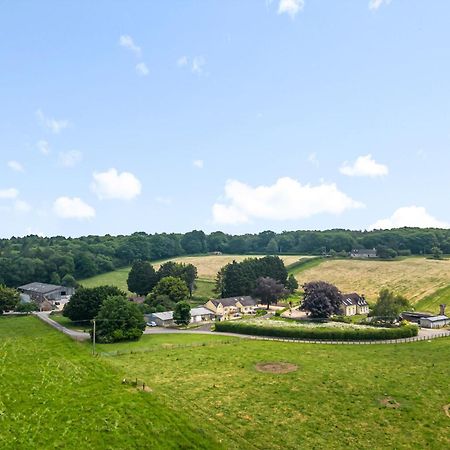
[[432, 302], [206, 392]]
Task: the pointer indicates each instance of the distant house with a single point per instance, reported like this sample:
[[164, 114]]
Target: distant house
[[363, 253], [232, 307], [43, 292], [165, 319], [353, 304], [434, 321]]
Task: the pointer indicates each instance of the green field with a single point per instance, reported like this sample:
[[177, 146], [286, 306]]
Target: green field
[[432, 302], [207, 393]]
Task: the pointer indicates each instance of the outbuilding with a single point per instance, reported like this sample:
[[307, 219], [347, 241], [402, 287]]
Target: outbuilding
[[40, 292], [165, 319], [434, 321]]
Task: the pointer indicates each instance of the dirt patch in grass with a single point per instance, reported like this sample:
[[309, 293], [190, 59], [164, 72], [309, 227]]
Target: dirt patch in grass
[[276, 367], [447, 410], [390, 403]]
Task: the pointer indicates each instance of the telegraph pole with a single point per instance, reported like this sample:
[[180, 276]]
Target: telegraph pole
[[93, 340]]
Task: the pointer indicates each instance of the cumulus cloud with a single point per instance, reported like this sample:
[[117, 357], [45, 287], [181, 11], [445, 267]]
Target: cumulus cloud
[[9, 194], [127, 42], [73, 208], [54, 125], [43, 147], [375, 4], [409, 216], [287, 199], [290, 7], [16, 166], [142, 69], [114, 185], [364, 166], [198, 163], [70, 158]]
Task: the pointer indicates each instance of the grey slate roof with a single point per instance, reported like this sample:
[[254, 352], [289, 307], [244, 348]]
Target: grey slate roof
[[353, 299], [231, 301], [41, 288], [436, 318], [168, 315]]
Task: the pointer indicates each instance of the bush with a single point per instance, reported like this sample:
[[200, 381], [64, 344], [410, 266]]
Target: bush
[[324, 334]]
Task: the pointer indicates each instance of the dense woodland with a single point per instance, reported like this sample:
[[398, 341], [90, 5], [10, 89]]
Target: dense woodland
[[61, 260]]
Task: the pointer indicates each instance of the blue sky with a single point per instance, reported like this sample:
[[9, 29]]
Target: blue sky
[[235, 115]]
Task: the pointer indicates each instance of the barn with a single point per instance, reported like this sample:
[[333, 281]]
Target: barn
[[434, 322], [40, 292]]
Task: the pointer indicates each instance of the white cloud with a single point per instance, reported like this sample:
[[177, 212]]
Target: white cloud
[[70, 158], [409, 216], [364, 166], [127, 42], [182, 61], [114, 185], [43, 147], [287, 199], [375, 4], [198, 62], [16, 166], [54, 125], [312, 158], [142, 69], [72, 208], [21, 206], [199, 163], [291, 7], [9, 194]]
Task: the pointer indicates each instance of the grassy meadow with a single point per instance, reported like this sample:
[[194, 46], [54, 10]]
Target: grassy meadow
[[415, 278], [207, 267], [206, 392]]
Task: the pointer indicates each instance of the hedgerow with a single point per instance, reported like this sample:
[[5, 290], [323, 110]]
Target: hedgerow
[[325, 334]]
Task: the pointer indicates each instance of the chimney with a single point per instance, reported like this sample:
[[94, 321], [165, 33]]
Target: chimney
[[442, 309]]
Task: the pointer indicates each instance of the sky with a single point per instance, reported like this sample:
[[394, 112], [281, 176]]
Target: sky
[[240, 116]]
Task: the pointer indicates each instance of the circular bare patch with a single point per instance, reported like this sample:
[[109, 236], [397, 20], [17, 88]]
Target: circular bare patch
[[276, 367], [389, 402]]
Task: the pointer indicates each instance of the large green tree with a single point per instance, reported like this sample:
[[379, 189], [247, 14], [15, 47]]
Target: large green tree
[[389, 305], [142, 278], [182, 313], [118, 320], [174, 288], [321, 299], [85, 304], [186, 272], [9, 298]]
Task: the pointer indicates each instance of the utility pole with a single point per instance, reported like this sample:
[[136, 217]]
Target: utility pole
[[93, 339]]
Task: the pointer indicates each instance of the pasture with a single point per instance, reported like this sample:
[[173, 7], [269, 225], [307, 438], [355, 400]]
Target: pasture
[[415, 278], [207, 267], [210, 391]]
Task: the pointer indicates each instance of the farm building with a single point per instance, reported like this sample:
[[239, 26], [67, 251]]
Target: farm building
[[363, 253], [227, 308], [165, 319], [414, 316], [40, 292], [353, 304], [434, 321]]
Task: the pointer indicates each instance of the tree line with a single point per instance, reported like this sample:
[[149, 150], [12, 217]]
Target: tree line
[[61, 260]]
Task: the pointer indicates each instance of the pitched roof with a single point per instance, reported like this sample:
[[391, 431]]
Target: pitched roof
[[435, 318], [168, 315], [41, 288], [200, 311], [353, 299], [231, 301]]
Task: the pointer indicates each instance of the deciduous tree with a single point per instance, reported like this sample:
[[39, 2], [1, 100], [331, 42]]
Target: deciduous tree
[[182, 313], [321, 299], [269, 290]]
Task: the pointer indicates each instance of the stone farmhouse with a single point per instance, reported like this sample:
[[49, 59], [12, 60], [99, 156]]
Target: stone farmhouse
[[363, 253]]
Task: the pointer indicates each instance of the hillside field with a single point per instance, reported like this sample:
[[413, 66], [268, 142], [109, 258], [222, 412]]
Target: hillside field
[[208, 391], [207, 267], [415, 278]]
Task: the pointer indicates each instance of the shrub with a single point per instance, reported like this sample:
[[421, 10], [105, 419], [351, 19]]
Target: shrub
[[325, 334]]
